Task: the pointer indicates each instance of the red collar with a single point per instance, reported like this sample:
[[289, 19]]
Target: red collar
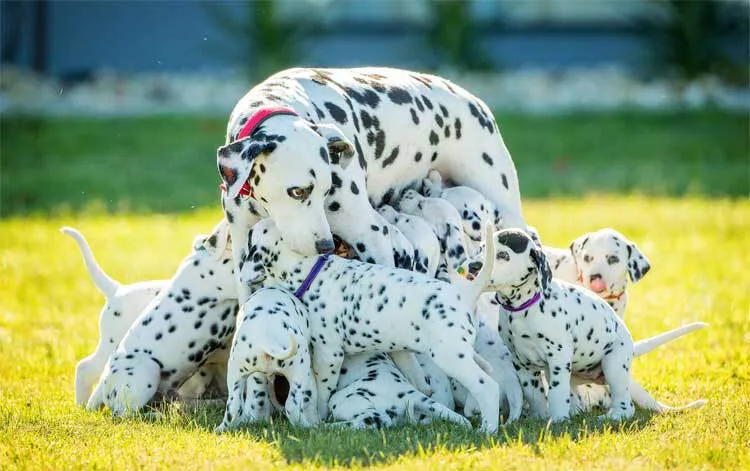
[[256, 119]]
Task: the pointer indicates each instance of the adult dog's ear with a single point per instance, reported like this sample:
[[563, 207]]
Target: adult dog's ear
[[339, 147], [638, 264], [235, 161], [542, 267]]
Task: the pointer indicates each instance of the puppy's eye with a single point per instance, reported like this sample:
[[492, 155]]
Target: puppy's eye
[[612, 259], [299, 193], [587, 258], [503, 256]]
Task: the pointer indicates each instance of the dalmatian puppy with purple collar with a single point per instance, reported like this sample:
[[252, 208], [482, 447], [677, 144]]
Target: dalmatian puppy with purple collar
[[560, 330], [601, 261], [290, 132], [176, 334], [356, 307], [420, 234], [372, 392], [272, 339]]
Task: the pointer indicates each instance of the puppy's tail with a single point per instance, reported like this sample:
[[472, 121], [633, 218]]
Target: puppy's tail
[[284, 353], [644, 399], [101, 280], [479, 285], [644, 346]]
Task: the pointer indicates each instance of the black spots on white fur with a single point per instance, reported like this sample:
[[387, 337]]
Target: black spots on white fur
[[354, 188], [360, 154], [515, 240], [336, 181], [414, 116], [427, 102], [417, 156], [399, 96], [434, 139], [439, 120], [367, 121], [434, 156], [504, 179], [336, 112], [366, 97], [391, 158], [444, 110], [487, 159], [379, 140], [324, 154], [334, 206]]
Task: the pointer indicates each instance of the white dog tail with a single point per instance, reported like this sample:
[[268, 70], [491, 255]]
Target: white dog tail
[[644, 399], [283, 353], [479, 284], [101, 280], [644, 346]]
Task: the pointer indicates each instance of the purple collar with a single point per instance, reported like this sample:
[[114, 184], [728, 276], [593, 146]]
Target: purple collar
[[534, 299], [311, 276]]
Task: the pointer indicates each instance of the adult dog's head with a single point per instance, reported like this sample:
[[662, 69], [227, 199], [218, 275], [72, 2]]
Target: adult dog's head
[[287, 163]]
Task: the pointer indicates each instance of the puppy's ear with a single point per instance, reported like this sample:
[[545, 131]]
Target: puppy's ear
[[218, 241], [235, 161], [542, 267], [340, 148], [638, 264], [577, 245]]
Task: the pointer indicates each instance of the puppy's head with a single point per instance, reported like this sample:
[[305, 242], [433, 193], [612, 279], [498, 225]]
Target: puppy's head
[[520, 265], [388, 213], [128, 383], [410, 202], [474, 209], [605, 258], [287, 163], [209, 265]]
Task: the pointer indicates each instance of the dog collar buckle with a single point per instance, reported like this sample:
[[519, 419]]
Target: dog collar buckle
[[533, 300], [311, 276]]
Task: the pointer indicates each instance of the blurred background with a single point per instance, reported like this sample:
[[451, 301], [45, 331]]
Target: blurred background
[[119, 105]]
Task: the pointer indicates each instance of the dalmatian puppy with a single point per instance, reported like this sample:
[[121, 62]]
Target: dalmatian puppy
[[357, 307], [288, 134], [371, 391], [475, 209], [601, 261], [587, 396], [420, 235], [445, 222], [558, 329], [176, 334], [123, 305], [271, 339]]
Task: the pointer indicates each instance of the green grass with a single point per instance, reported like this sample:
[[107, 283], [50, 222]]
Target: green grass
[[140, 189], [48, 320], [167, 164]]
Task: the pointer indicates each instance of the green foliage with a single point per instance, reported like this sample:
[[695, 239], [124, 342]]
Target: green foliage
[[451, 33], [686, 37], [168, 163]]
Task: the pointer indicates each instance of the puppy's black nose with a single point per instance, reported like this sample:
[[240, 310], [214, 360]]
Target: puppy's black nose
[[324, 245], [474, 267]]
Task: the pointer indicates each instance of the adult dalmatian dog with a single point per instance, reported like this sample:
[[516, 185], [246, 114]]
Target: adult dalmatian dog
[[293, 135]]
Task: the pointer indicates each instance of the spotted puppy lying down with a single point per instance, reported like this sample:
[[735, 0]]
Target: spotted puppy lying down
[[600, 261], [271, 339], [559, 329], [123, 305], [371, 391], [357, 307], [176, 334]]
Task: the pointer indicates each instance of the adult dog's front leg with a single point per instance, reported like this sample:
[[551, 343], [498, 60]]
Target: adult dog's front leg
[[409, 366]]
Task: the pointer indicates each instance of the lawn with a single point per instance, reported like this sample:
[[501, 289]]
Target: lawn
[[680, 190]]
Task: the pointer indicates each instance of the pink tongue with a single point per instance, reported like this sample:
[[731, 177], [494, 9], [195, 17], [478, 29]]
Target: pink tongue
[[597, 286]]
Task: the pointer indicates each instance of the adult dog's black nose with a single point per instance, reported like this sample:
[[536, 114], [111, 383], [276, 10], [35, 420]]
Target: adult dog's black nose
[[324, 245], [474, 267]]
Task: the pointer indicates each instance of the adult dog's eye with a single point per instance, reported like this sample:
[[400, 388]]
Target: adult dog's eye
[[587, 258], [612, 259], [300, 193], [503, 256]]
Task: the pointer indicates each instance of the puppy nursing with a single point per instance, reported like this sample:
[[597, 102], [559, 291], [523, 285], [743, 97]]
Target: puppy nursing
[[357, 307]]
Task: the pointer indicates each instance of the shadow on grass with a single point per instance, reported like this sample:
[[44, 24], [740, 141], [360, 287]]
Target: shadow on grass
[[328, 446]]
